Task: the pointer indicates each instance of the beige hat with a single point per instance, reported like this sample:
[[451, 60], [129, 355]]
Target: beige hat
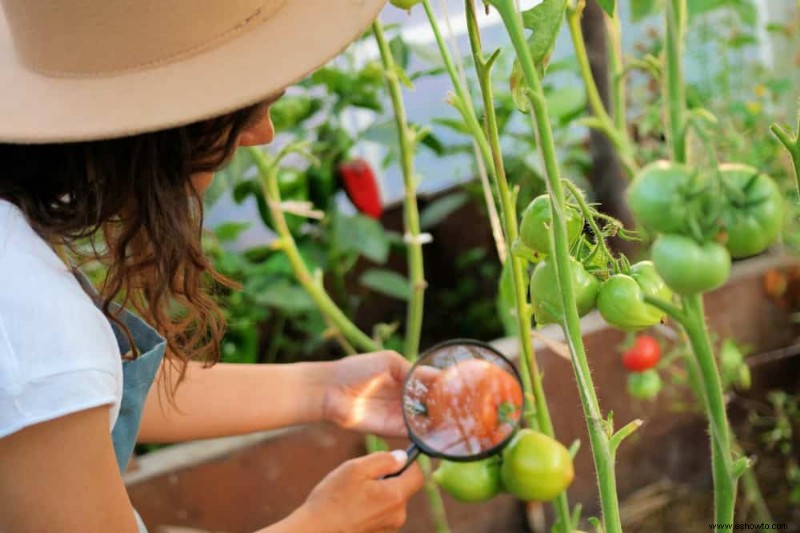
[[92, 69]]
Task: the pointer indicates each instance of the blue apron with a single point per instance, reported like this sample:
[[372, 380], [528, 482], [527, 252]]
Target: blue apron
[[137, 377]]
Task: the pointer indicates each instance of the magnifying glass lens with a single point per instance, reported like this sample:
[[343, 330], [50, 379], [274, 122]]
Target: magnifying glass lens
[[462, 400]]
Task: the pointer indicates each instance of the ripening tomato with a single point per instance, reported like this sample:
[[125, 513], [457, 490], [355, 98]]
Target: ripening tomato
[[656, 196], [473, 403], [621, 298], [643, 355], [534, 230], [546, 295], [688, 267], [752, 222], [536, 467], [475, 481]]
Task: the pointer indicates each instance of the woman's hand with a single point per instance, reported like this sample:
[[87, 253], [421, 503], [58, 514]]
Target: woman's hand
[[355, 498], [363, 392]]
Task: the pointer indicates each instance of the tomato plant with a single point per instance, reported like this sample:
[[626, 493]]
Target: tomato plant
[[546, 295], [643, 355], [536, 467], [475, 481], [621, 298], [479, 398], [656, 196], [753, 218], [534, 230], [688, 267], [644, 385]]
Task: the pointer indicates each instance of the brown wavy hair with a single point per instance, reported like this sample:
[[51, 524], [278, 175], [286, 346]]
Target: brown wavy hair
[[133, 201]]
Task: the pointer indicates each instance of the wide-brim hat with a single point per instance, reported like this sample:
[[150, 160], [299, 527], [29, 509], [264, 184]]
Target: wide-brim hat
[[73, 70]]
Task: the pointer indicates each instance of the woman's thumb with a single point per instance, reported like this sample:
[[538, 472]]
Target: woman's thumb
[[380, 464]]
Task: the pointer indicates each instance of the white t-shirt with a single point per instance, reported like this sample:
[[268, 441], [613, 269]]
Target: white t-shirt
[[58, 353]]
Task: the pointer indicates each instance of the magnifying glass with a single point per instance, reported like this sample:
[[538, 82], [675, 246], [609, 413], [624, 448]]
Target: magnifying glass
[[462, 401]]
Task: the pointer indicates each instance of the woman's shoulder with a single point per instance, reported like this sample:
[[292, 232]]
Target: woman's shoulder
[[45, 314]]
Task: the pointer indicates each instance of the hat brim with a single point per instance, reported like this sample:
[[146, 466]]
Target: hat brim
[[302, 36]]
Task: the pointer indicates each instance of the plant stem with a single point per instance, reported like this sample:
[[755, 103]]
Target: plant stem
[[416, 272], [314, 288], [617, 69], [598, 436], [617, 135], [406, 139], [675, 91], [724, 481], [539, 417]]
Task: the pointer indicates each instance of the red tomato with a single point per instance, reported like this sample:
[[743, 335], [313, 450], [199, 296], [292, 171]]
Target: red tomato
[[472, 406], [643, 355]]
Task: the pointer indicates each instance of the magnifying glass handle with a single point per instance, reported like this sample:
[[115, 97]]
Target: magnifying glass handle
[[412, 452]]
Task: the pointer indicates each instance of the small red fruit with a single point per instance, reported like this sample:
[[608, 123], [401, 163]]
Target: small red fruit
[[643, 355], [361, 187]]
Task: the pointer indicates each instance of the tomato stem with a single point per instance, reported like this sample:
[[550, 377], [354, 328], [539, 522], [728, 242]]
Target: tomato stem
[[598, 438], [269, 187], [532, 382], [616, 132], [416, 272], [790, 141], [675, 14], [588, 214], [406, 138], [724, 478]]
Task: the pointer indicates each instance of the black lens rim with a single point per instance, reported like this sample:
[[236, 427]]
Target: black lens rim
[[486, 453]]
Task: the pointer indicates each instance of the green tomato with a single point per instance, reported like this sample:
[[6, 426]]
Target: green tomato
[[534, 230], [688, 267], [546, 295], [644, 385], [732, 368], [536, 467], [753, 222], [656, 196], [476, 481], [621, 298], [404, 4]]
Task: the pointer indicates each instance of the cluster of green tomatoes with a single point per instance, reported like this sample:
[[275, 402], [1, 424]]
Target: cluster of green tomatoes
[[699, 220]]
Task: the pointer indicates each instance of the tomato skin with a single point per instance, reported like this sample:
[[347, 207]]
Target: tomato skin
[[643, 355], [475, 481], [546, 295], [536, 467], [753, 223], [644, 385], [656, 196], [404, 4], [621, 298], [534, 230], [688, 267], [471, 394]]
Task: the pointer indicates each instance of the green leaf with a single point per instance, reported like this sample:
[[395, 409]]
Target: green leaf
[[361, 235], [230, 231], [387, 283], [641, 9], [281, 294], [545, 19], [441, 208], [608, 6], [565, 104], [505, 301]]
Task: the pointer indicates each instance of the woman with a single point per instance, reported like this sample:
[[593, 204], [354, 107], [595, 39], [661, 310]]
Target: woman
[[113, 118]]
